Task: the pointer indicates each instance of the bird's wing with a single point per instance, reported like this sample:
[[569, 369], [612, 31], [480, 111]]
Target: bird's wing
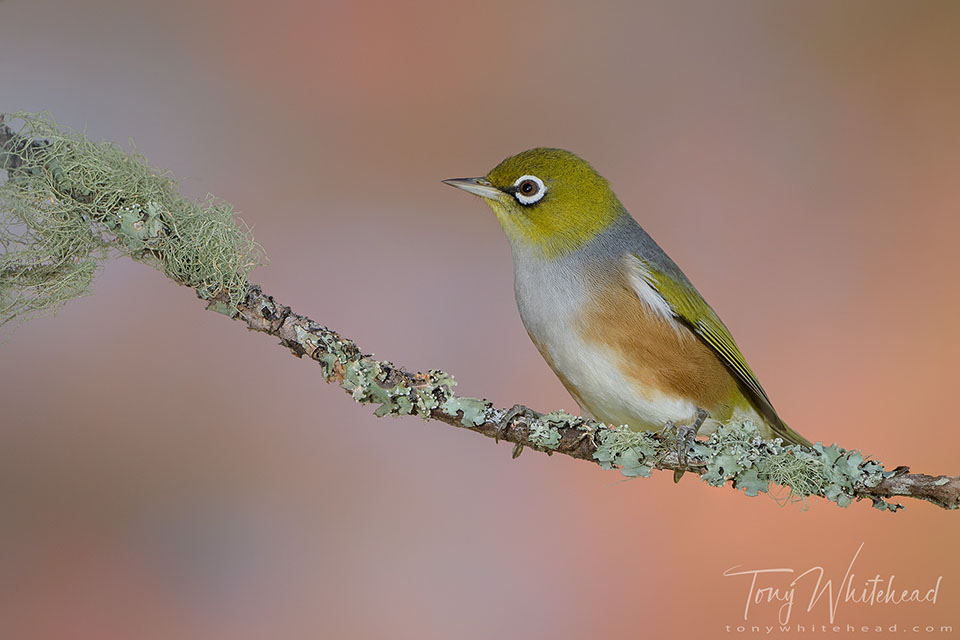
[[687, 305]]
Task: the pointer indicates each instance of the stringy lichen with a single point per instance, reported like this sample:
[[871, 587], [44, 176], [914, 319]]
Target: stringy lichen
[[69, 201]]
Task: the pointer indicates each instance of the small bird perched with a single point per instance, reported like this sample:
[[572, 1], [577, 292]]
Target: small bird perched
[[623, 328]]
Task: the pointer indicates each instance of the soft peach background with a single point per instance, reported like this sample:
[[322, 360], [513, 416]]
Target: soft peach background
[[165, 474]]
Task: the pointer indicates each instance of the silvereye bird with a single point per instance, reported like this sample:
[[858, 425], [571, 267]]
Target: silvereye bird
[[616, 319]]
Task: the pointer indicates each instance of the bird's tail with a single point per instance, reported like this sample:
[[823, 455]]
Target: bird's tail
[[782, 430]]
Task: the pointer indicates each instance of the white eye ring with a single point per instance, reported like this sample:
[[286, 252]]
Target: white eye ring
[[533, 197]]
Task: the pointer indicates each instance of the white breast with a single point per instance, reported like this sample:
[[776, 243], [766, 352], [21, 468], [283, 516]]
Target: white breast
[[551, 298]]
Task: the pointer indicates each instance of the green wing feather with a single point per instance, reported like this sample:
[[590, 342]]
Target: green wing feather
[[688, 305]]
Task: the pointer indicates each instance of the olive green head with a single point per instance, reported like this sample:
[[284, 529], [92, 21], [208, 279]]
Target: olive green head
[[549, 200]]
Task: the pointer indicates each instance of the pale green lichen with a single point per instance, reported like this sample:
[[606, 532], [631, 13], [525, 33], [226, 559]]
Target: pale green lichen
[[561, 418], [544, 435], [633, 452], [309, 341], [545, 430], [472, 412], [424, 399], [69, 201], [366, 380], [362, 379], [222, 307], [735, 453]]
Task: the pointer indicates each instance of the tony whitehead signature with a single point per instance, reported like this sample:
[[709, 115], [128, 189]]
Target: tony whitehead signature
[[768, 586]]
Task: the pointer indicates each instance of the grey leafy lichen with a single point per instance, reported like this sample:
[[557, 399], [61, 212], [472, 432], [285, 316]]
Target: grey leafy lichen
[[544, 435], [735, 453], [470, 411], [372, 381], [633, 452]]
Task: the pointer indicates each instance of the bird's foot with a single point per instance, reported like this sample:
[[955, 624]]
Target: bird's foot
[[516, 413], [685, 438]]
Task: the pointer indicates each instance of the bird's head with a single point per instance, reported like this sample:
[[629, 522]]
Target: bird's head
[[547, 200]]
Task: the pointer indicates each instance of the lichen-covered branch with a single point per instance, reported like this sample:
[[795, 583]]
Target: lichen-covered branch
[[61, 181], [69, 203], [734, 454]]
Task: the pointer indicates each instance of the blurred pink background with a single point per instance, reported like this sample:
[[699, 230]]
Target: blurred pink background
[[165, 474]]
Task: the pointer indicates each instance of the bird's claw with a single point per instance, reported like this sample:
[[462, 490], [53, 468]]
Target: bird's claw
[[517, 412], [685, 438]]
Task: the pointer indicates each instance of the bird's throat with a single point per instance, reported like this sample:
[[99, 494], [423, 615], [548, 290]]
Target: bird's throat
[[554, 233]]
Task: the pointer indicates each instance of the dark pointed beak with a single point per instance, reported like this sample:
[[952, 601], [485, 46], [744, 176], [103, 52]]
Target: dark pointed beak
[[477, 186]]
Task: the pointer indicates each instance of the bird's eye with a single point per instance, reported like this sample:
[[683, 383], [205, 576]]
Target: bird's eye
[[529, 189]]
